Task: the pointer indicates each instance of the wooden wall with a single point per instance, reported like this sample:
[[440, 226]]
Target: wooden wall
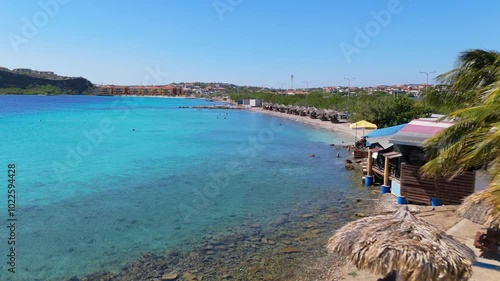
[[417, 189]]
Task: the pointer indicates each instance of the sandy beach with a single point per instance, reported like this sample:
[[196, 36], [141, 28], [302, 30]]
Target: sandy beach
[[347, 134]]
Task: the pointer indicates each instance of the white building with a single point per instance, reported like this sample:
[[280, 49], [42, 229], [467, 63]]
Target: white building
[[256, 102]]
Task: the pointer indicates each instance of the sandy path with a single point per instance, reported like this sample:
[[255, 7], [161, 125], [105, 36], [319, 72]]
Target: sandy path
[[444, 218]]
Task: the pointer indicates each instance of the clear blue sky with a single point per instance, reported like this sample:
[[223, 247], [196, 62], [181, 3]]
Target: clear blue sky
[[248, 42]]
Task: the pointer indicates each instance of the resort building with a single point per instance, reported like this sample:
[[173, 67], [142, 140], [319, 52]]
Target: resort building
[[112, 90], [105, 90]]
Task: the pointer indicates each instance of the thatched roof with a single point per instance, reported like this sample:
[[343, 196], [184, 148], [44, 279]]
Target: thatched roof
[[401, 242], [479, 208]]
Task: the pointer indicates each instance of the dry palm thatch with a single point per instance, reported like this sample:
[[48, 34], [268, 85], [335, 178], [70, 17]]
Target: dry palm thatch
[[321, 112], [482, 207], [401, 242]]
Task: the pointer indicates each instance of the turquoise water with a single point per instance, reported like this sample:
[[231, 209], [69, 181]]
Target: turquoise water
[[100, 180]]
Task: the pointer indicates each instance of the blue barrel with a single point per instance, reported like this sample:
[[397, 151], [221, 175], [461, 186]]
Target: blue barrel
[[436, 202], [369, 180], [401, 200], [385, 189]]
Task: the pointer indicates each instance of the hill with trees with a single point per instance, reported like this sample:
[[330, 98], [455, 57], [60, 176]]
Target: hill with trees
[[12, 82]]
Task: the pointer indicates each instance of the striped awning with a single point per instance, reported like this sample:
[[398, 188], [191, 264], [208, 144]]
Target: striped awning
[[418, 130]]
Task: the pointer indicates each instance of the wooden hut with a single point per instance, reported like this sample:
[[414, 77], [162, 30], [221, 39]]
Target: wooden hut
[[401, 167]]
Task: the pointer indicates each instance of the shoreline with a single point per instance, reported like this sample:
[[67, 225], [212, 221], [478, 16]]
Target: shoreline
[[289, 247], [346, 134]]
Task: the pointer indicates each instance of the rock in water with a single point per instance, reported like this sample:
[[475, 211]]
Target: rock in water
[[189, 276], [169, 277], [290, 250]]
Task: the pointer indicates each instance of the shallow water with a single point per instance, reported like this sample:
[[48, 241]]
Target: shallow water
[[101, 180]]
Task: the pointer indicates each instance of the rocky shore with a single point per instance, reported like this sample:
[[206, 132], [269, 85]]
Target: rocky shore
[[291, 247]]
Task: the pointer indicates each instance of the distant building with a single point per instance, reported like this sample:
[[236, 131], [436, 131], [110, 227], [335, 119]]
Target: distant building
[[113, 90], [23, 70], [46, 72], [256, 102], [414, 92]]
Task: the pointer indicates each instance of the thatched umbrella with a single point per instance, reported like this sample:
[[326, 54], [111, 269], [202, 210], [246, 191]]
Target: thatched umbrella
[[321, 112], [302, 110], [330, 112], [400, 242], [479, 208]]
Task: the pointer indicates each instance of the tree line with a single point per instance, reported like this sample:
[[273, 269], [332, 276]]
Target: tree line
[[382, 109]]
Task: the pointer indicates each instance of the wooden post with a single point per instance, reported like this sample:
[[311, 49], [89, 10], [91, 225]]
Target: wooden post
[[386, 171], [369, 163]]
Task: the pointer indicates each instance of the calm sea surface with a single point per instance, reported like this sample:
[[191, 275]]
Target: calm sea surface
[[101, 180]]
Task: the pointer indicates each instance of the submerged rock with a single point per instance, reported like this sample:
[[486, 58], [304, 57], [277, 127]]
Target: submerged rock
[[290, 250], [360, 215], [169, 277], [189, 276]]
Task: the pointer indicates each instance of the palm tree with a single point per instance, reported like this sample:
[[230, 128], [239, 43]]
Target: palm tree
[[474, 141], [476, 70]]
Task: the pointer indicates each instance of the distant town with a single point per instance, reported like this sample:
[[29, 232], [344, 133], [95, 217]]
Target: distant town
[[203, 89], [220, 89]]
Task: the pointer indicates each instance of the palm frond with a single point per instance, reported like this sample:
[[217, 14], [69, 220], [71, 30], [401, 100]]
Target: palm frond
[[472, 142], [476, 70]]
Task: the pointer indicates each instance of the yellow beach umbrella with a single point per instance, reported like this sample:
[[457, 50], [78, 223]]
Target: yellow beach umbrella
[[363, 124]]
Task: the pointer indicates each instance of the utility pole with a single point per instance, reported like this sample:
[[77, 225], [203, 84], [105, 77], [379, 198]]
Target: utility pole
[[307, 84], [427, 74], [282, 86], [349, 87], [307, 87]]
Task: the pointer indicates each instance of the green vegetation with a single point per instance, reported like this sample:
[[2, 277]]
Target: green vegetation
[[35, 90], [382, 109], [387, 111], [474, 141]]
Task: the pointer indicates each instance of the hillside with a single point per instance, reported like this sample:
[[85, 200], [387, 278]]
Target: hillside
[[68, 85]]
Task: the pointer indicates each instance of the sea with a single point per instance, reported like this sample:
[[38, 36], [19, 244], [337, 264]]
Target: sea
[[96, 182]]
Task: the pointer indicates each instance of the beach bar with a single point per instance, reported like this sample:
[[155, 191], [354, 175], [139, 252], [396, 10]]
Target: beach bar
[[397, 160], [382, 161]]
